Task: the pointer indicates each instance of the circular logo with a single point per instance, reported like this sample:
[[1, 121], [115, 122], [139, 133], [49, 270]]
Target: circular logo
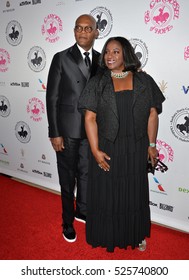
[[4, 106], [22, 131], [166, 153], [140, 50], [14, 33], [104, 21], [4, 60], [36, 108], [161, 14], [51, 28], [36, 59], [180, 124]]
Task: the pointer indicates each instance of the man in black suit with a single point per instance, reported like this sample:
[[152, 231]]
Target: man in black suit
[[68, 74]]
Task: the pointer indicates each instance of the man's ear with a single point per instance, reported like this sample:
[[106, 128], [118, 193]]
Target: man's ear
[[96, 34]]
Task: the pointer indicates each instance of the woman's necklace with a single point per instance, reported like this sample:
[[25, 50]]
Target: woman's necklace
[[119, 75]]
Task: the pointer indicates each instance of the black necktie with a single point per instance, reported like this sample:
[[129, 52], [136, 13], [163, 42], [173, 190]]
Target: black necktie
[[87, 60]]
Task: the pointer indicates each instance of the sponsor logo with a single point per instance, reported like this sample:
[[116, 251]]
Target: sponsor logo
[[166, 153], [166, 207], [36, 108], [14, 33], [37, 172], [183, 190], [25, 84], [43, 160], [36, 59], [3, 149], [43, 87], [159, 185], [4, 106], [162, 206], [104, 21], [22, 84], [4, 60], [8, 6], [15, 84], [185, 89], [141, 50], [51, 28], [45, 174], [24, 3], [22, 131], [22, 168], [161, 15], [180, 125], [153, 204], [4, 162], [33, 2]]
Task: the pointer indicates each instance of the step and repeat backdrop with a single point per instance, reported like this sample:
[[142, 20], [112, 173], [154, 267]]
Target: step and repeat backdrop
[[31, 32]]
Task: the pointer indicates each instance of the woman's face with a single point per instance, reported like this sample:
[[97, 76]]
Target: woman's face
[[113, 57]]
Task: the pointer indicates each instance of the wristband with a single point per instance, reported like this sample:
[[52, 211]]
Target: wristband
[[152, 145]]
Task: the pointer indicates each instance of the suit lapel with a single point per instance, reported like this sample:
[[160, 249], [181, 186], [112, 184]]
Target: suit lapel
[[75, 53]]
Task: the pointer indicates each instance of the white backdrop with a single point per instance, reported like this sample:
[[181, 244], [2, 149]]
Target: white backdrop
[[31, 32]]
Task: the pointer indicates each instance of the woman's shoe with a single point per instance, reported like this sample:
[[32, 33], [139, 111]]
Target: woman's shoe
[[142, 246]]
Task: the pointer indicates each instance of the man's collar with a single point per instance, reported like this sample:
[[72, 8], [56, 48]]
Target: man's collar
[[82, 51]]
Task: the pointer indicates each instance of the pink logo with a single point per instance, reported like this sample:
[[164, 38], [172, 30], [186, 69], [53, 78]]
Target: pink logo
[[4, 60], [36, 108], [161, 15], [186, 53], [51, 27], [166, 153]]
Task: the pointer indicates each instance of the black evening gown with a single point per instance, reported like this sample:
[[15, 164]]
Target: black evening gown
[[118, 213]]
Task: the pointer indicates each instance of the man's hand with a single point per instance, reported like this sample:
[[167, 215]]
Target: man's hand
[[57, 143]]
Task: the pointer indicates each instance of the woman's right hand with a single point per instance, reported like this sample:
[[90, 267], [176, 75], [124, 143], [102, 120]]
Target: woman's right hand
[[101, 159]]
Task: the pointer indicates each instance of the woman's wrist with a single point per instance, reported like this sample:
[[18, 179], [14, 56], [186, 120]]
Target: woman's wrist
[[152, 144]]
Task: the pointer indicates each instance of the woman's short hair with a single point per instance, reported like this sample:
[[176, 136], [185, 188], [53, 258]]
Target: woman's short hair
[[131, 61]]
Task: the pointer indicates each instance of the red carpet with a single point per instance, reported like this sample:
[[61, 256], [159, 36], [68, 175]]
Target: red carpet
[[30, 221]]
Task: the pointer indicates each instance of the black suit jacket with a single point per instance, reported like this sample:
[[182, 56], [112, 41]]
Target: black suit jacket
[[66, 80]]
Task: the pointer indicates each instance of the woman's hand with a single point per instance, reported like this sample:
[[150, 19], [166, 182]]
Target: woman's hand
[[101, 159], [153, 155]]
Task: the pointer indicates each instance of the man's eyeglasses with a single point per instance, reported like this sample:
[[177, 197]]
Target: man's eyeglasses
[[79, 29]]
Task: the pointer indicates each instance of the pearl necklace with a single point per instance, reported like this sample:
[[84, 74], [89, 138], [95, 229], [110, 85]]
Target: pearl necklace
[[119, 75]]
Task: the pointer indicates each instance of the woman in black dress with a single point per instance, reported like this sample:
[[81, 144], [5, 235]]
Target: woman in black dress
[[121, 105]]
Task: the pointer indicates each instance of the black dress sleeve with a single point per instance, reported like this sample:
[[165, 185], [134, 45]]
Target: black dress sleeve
[[88, 98], [157, 97]]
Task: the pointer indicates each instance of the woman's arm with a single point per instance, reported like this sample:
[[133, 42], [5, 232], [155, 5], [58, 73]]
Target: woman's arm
[[92, 135], [153, 122]]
